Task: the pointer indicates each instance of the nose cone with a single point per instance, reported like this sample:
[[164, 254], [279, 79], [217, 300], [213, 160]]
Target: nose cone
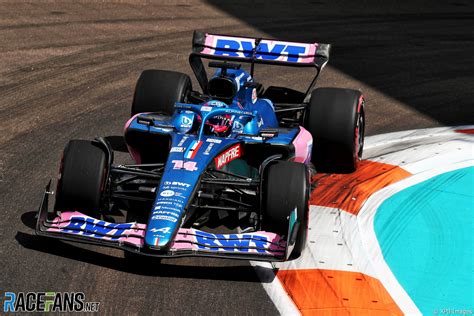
[[189, 157]]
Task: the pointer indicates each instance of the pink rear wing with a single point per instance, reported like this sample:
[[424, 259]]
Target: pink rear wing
[[259, 50], [255, 51]]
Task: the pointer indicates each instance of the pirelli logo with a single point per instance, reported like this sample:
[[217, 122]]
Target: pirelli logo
[[228, 155]]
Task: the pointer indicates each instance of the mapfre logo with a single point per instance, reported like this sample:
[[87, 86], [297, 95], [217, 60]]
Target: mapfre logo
[[227, 156]]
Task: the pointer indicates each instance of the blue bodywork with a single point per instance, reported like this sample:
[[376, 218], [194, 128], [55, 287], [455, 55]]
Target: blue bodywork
[[192, 151]]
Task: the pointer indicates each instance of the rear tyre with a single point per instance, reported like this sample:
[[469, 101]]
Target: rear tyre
[[159, 90], [81, 179], [286, 186], [336, 119]]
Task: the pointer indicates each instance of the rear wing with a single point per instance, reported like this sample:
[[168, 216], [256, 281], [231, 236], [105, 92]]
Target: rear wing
[[255, 51]]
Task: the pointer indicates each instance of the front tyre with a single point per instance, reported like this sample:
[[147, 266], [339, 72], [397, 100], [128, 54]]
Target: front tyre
[[286, 186], [336, 120], [81, 179]]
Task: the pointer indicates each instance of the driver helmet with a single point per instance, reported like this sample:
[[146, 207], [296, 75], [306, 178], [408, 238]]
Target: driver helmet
[[219, 125]]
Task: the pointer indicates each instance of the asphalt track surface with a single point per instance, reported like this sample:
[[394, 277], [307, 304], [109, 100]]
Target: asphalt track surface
[[68, 69]]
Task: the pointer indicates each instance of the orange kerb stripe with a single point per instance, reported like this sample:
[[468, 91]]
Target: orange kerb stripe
[[349, 191], [465, 131], [332, 292]]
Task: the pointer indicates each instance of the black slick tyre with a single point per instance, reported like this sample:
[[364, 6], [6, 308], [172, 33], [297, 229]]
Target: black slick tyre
[[336, 120], [81, 180], [286, 186], [159, 90]]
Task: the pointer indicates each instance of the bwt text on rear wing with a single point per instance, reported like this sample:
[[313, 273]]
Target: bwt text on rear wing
[[255, 51]]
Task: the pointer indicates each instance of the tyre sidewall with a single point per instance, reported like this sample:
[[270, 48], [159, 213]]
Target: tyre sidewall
[[81, 180]]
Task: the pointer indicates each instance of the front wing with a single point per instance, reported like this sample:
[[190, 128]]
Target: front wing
[[77, 227]]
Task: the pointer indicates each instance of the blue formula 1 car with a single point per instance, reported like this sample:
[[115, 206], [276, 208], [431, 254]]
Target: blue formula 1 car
[[224, 172]]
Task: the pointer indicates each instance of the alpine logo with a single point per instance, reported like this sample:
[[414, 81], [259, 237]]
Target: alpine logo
[[227, 156], [165, 230]]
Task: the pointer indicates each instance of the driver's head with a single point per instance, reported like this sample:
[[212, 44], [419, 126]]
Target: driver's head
[[219, 125]]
